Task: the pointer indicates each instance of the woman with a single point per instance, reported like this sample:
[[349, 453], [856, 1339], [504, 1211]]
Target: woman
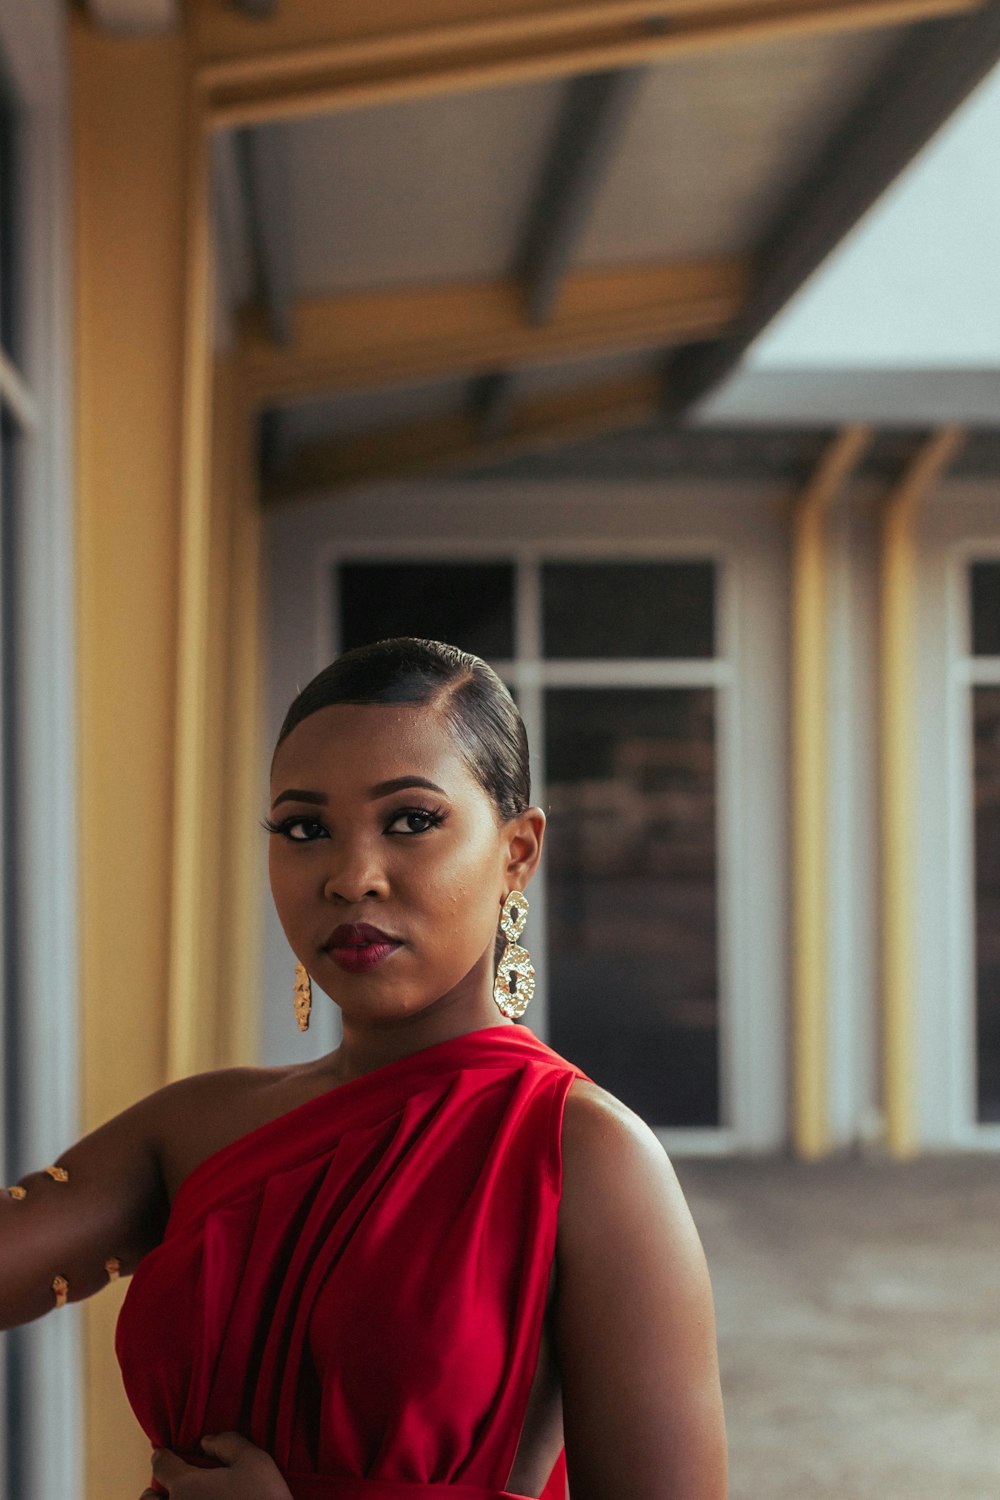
[[419, 1265]]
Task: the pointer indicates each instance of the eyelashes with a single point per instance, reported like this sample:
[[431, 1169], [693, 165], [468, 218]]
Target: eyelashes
[[286, 824], [430, 817]]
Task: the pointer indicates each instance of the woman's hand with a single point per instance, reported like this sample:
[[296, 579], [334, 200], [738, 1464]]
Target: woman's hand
[[249, 1473]]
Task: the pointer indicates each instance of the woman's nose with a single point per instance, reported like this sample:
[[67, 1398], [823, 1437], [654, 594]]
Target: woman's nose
[[354, 875]]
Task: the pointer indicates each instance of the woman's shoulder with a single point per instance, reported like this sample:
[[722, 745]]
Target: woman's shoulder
[[596, 1123], [203, 1112], [216, 1091], [613, 1163]]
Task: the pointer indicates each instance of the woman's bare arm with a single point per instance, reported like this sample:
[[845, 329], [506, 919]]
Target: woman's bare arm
[[635, 1325], [112, 1205]]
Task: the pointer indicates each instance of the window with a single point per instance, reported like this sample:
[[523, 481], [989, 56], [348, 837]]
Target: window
[[615, 667], [984, 632], [632, 877], [470, 605]]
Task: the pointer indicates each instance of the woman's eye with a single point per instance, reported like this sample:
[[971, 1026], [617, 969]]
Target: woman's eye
[[414, 820], [309, 823], [289, 825]]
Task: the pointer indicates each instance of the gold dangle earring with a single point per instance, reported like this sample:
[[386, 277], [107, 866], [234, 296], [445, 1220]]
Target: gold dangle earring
[[303, 996], [515, 981]]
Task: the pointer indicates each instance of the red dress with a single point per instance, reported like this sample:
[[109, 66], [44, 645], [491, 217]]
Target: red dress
[[359, 1286]]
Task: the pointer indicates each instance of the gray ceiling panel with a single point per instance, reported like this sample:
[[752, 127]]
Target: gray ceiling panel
[[329, 417], [714, 144], [417, 193]]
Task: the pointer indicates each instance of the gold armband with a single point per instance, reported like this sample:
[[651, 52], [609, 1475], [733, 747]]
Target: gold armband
[[58, 1174], [17, 1192]]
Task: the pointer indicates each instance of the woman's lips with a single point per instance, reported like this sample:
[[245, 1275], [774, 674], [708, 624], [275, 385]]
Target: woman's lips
[[357, 946], [357, 958]]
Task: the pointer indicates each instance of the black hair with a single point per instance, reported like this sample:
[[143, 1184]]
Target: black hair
[[473, 699]]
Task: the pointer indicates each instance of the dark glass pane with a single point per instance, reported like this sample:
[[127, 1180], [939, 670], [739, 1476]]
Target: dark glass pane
[[632, 895], [986, 783], [984, 594], [628, 609], [469, 605]]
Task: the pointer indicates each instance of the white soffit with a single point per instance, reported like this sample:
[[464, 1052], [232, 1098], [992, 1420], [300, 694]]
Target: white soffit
[[135, 17], [915, 285], [890, 397]]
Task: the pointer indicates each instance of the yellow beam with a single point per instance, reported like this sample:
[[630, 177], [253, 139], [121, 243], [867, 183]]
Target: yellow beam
[[213, 991], [453, 441], [898, 610], [356, 340], [236, 696], [810, 730], [128, 146], [312, 57], [168, 528], [189, 1019]]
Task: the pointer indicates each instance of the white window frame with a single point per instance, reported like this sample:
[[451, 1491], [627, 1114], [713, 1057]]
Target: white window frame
[[45, 1358], [958, 525], [965, 672], [752, 779]]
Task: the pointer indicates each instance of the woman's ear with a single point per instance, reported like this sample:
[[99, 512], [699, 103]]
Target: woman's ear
[[524, 838]]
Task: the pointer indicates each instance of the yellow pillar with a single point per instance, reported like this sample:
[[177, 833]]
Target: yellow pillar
[[898, 618], [169, 664], [128, 143], [810, 959]]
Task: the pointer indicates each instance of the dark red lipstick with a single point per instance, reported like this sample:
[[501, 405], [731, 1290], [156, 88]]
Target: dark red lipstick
[[358, 947]]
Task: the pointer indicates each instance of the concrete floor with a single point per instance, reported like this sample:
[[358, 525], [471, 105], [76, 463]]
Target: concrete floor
[[858, 1308]]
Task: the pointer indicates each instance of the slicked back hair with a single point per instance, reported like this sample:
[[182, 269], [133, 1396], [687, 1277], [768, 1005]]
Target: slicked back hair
[[471, 697]]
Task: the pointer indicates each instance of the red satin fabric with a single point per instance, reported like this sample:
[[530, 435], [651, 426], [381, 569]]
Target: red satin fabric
[[359, 1286]]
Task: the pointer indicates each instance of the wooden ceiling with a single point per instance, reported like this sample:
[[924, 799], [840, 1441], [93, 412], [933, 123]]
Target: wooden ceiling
[[449, 195]]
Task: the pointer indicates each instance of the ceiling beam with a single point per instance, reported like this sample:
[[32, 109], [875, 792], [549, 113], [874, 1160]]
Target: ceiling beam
[[455, 441], [262, 154], [595, 110], [593, 114], [312, 57], [135, 17], [493, 398], [358, 340], [933, 72]]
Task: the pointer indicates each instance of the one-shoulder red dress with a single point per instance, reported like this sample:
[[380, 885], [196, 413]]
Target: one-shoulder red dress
[[359, 1286]]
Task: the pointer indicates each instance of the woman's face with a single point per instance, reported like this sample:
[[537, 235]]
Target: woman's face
[[365, 840]]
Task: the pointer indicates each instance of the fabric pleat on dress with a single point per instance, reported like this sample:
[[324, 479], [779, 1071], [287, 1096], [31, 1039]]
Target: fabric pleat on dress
[[359, 1286]]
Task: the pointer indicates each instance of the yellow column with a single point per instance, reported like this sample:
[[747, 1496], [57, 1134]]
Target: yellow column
[[169, 660], [128, 143], [215, 995], [898, 610], [810, 1124]]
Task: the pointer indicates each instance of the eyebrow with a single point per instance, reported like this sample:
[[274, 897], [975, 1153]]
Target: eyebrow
[[380, 789]]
